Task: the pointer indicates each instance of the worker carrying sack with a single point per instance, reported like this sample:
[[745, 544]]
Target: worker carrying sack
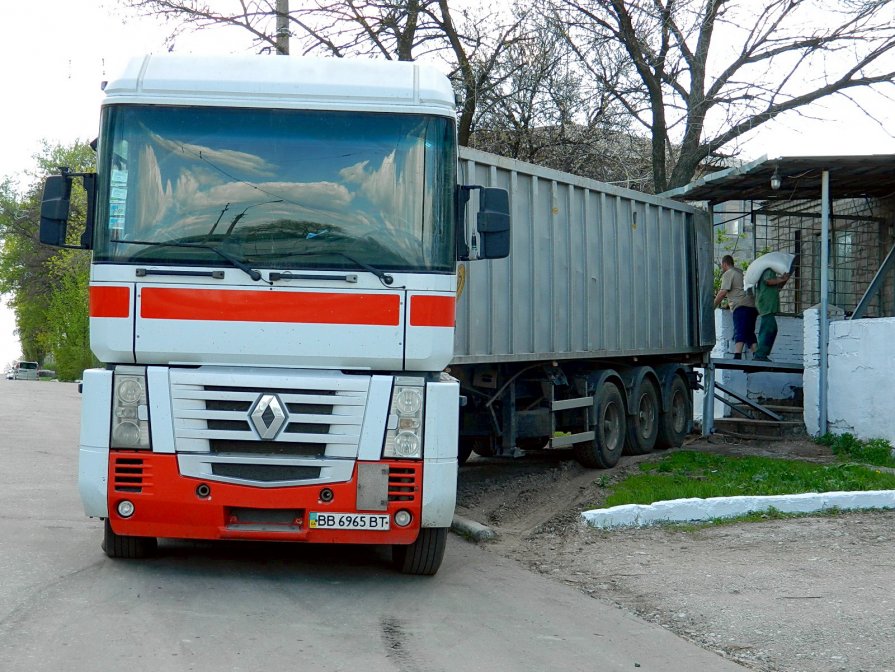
[[779, 262]]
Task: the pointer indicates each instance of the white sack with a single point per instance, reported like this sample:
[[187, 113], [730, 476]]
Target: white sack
[[779, 262]]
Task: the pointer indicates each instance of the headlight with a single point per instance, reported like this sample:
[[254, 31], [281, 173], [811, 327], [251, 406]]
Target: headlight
[[408, 401], [407, 444], [130, 409], [404, 436]]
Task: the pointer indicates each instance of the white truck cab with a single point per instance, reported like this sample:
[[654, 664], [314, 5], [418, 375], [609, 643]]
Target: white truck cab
[[272, 293]]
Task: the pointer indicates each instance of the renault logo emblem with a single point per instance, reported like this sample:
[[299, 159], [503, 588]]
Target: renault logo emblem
[[268, 416]]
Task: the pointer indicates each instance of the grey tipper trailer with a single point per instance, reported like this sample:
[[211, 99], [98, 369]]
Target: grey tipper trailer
[[587, 334]]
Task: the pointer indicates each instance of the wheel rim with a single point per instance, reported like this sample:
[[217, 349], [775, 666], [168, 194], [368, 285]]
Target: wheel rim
[[646, 416], [611, 426], [678, 412]]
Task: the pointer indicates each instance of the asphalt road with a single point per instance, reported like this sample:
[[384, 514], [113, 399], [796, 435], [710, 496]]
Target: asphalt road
[[65, 606]]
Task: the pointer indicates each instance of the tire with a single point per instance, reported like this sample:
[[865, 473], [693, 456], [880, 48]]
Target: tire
[[643, 425], [464, 450], [423, 557], [483, 446], [132, 548], [609, 426], [674, 423]]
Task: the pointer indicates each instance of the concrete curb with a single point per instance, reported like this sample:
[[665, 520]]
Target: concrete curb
[[471, 529], [696, 509]]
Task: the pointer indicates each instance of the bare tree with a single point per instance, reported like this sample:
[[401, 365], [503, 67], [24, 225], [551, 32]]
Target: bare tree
[[544, 109], [257, 17], [403, 30], [700, 74]]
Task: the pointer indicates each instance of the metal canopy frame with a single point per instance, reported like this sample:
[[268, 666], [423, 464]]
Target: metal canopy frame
[[876, 284], [822, 178]]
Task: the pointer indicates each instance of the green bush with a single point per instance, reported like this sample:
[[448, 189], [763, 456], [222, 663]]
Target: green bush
[[846, 446]]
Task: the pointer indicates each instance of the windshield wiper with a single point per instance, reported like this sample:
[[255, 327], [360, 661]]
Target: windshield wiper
[[385, 278], [217, 221], [235, 261]]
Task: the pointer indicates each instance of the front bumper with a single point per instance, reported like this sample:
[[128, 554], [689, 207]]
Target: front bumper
[[169, 505]]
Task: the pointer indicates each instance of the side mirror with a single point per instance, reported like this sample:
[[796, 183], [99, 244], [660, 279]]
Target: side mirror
[[493, 223], [56, 205], [54, 210]]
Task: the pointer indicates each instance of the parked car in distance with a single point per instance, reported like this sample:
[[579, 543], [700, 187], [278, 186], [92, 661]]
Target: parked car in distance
[[26, 371], [10, 375]]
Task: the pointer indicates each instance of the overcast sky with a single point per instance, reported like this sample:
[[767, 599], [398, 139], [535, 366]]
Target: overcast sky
[[55, 54]]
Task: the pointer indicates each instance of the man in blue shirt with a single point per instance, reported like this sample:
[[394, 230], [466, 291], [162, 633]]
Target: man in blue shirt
[[742, 306]]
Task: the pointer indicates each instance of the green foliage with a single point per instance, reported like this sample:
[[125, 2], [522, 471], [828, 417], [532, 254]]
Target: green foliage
[[695, 474], [875, 451], [45, 287], [725, 243], [753, 517], [68, 329]]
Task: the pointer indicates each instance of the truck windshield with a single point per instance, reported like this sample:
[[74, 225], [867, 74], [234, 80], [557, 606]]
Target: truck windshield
[[276, 188]]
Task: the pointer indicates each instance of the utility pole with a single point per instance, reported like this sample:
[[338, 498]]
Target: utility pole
[[282, 27]]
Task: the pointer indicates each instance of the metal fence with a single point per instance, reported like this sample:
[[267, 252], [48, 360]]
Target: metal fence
[[861, 234]]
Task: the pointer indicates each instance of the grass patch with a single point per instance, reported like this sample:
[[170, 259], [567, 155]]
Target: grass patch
[[751, 517], [696, 474], [875, 451]]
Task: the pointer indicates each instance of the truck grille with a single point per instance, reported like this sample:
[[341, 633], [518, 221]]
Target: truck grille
[[265, 473], [323, 413], [129, 474], [403, 483], [271, 448]]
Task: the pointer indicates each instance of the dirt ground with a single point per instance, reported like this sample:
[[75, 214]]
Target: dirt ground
[[807, 594]]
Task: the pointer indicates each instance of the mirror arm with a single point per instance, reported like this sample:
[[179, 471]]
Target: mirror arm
[[89, 218]]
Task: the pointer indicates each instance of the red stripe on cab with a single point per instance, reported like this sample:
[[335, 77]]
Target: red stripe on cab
[[110, 301], [223, 305], [432, 311]]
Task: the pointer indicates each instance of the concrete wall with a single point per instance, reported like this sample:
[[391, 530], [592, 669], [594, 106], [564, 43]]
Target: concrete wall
[[860, 380], [759, 386]]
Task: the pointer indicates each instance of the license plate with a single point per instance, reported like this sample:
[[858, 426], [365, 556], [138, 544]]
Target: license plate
[[348, 521]]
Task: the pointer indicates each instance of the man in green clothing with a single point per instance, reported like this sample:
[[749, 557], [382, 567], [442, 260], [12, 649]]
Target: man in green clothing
[[767, 301]]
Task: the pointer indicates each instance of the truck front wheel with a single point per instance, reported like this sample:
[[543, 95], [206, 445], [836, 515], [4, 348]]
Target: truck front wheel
[[120, 546], [422, 557]]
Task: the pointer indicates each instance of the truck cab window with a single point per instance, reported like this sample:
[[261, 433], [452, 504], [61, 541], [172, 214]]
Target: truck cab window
[[277, 188]]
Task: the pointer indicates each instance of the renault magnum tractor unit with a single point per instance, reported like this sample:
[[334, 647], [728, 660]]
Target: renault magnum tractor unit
[[275, 244]]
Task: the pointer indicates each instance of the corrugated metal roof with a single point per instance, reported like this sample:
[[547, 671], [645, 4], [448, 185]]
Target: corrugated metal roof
[[850, 177]]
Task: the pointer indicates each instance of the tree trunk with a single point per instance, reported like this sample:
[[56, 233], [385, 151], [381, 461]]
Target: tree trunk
[[282, 27]]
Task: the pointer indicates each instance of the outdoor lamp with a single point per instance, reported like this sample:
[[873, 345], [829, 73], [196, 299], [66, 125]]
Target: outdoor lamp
[[776, 179]]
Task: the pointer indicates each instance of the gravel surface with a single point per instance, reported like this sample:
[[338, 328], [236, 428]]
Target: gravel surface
[[805, 594]]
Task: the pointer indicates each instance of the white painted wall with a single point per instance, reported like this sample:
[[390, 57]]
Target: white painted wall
[[860, 383], [759, 386]]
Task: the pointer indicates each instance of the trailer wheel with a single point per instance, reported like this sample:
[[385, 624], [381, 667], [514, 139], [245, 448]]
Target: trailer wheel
[[675, 422], [643, 426], [464, 450], [423, 557], [483, 446], [606, 447], [133, 548]]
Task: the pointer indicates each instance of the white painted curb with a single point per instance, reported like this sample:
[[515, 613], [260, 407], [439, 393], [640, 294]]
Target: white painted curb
[[696, 509]]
